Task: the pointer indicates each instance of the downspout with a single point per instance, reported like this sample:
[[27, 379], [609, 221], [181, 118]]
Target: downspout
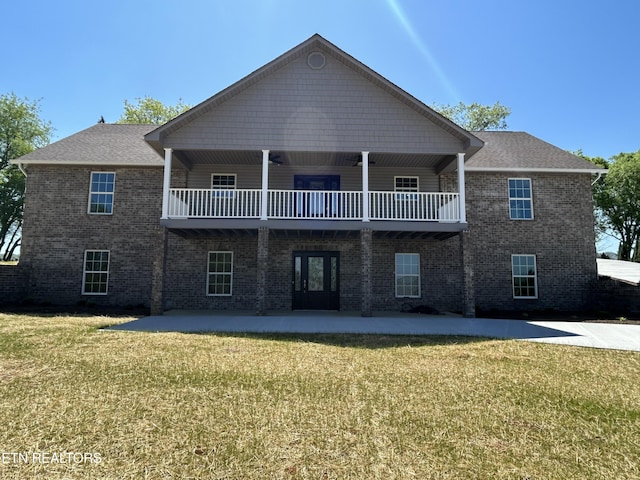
[[597, 178], [21, 168]]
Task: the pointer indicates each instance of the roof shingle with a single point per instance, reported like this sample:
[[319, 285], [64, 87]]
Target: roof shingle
[[522, 151], [101, 144]]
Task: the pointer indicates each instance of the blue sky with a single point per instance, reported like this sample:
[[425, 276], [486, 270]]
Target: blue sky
[[568, 69]]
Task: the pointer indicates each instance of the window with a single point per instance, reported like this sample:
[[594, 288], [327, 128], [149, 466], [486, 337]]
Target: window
[[408, 275], [520, 199], [223, 182], [101, 192], [95, 278], [524, 274], [220, 273], [406, 184]]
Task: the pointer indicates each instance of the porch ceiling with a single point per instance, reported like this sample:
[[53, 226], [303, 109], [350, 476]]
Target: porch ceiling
[[335, 159]]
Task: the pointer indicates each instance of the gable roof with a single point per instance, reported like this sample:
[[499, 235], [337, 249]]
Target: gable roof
[[316, 43], [520, 151], [101, 144]]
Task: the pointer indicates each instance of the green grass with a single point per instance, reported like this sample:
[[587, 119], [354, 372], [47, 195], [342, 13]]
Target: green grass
[[167, 405]]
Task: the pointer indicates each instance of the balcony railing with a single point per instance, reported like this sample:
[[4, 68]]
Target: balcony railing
[[314, 205]]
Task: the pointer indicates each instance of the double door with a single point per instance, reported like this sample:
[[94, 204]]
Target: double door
[[316, 281]]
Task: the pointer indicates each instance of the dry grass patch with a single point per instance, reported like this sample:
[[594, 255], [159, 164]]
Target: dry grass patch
[[169, 405]]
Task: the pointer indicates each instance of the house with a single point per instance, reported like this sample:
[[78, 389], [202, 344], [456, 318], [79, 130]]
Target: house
[[312, 183]]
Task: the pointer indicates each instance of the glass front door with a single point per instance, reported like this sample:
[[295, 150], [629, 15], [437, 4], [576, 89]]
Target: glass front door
[[316, 281]]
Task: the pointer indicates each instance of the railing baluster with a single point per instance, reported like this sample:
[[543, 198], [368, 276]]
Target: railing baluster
[[314, 204]]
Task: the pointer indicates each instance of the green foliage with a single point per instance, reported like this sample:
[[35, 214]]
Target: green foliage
[[148, 110], [11, 206], [601, 227], [476, 117], [617, 197], [21, 131]]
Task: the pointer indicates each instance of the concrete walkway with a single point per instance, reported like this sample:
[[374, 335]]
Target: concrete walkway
[[596, 335]]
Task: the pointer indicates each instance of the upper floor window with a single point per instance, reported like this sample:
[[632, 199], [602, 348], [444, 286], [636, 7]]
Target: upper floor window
[[405, 184], [223, 181], [525, 276], [520, 199], [408, 275], [101, 192]]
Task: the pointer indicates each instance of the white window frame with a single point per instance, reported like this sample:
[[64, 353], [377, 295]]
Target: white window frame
[[398, 275], [515, 275], [211, 274], [527, 199], [98, 192], [86, 272], [409, 190], [224, 191]]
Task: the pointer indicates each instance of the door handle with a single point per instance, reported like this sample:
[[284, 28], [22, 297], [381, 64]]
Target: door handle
[[304, 285]]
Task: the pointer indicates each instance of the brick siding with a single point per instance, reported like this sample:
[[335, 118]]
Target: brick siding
[[57, 230], [13, 283], [561, 236]]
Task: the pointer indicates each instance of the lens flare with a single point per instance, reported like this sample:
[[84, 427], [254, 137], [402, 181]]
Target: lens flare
[[424, 49]]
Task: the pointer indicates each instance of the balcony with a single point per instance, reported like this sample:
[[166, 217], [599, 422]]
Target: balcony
[[190, 203]]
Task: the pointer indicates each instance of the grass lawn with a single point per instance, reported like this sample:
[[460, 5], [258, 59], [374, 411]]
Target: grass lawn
[[167, 405]]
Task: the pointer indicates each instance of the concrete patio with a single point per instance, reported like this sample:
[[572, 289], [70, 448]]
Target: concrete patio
[[596, 335]]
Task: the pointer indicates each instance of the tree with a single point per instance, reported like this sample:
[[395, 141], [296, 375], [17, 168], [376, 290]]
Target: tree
[[476, 117], [21, 131], [617, 197], [148, 110]]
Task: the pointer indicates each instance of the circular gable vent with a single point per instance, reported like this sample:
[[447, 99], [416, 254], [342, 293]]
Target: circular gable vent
[[316, 60]]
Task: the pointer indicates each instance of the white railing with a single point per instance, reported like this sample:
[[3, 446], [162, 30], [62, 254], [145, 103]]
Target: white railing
[[434, 207], [208, 203], [313, 204]]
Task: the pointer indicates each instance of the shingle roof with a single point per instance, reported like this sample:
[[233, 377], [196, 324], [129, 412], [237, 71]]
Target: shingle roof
[[521, 151], [124, 144], [101, 144]]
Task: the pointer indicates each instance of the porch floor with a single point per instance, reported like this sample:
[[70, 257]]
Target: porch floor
[[618, 337]]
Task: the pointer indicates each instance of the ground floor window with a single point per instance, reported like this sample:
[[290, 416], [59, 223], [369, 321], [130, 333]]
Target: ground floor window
[[95, 278], [524, 273], [220, 273], [408, 275]]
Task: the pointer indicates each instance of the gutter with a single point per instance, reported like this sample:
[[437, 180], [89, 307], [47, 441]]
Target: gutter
[[592, 171]]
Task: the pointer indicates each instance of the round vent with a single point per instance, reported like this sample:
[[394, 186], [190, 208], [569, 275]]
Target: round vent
[[316, 60]]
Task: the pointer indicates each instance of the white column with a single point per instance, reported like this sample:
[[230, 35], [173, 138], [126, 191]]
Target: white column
[[463, 209], [166, 186], [365, 186], [265, 184]]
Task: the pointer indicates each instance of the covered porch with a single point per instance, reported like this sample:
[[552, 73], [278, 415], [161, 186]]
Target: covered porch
[[328, 187]]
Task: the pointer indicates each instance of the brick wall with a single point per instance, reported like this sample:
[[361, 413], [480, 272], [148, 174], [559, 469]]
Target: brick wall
[[561, 235], [13, 283], [185, 280], [57, 230], [616, 297]]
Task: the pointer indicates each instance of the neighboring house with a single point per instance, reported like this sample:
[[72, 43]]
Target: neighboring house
[[313, 183]]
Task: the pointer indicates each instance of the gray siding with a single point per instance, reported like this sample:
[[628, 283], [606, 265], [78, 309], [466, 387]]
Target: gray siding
[[281, 177], [332, 109]]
